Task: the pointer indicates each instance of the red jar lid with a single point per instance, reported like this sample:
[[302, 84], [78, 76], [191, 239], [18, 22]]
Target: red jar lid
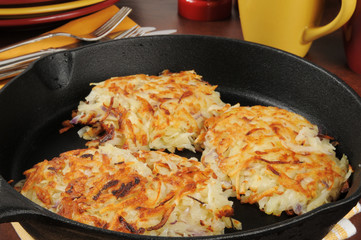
[[205, 10]]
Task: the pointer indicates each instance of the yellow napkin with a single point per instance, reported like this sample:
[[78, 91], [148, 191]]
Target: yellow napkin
[[78, 26], [342, 230]]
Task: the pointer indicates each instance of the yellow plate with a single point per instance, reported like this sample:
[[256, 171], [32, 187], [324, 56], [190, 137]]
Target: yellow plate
[[47, 8]]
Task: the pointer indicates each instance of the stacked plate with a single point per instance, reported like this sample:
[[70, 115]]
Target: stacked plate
[[35, 12]]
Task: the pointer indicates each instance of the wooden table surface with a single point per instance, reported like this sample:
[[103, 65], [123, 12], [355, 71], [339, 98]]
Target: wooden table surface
[[327, 52]]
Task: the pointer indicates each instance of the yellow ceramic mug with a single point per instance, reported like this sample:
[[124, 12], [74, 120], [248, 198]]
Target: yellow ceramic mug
[[290, 25]]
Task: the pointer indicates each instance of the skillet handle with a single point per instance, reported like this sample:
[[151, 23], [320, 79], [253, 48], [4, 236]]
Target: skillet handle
[[15, 207]]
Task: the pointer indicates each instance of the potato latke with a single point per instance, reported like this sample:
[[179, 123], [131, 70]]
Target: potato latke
[[273, 157], [148, 112], [144, 192]]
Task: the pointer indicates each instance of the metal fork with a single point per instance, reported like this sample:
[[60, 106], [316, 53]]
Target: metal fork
[[135, 31], [24, 60], [20, 63], [12, 67], [96, 35], [143, 31]]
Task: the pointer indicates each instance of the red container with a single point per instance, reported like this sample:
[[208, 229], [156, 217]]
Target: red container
[[205, 10], [352, 40]]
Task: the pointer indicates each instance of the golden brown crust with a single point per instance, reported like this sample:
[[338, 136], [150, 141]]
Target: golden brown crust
[[142, 192]]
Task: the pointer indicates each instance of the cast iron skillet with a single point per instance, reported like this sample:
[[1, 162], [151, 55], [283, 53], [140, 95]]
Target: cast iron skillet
[[34, 104]]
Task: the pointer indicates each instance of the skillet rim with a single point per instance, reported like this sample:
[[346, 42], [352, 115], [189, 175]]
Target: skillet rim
[[356, 195]]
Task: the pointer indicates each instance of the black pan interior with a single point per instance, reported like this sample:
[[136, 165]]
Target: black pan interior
[[34, 104]]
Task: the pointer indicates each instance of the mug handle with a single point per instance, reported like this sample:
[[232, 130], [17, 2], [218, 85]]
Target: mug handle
[[345, 13]]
